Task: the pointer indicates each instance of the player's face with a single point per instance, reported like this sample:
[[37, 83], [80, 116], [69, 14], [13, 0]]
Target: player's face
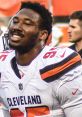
[[75, 30], [24, 30]]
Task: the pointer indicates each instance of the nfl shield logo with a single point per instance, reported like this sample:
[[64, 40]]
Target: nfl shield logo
[[20, 86]]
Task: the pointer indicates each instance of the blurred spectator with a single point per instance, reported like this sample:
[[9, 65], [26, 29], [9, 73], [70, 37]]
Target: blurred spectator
[[75, 31]]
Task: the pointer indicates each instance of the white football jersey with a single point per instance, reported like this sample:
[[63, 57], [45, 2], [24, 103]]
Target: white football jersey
[[38, 89]]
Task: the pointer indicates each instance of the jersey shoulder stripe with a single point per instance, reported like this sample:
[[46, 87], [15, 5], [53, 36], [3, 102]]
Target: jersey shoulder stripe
[[55, 71], [6, 55]]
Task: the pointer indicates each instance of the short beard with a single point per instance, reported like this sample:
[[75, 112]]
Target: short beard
[[75, 41], [22, 49]]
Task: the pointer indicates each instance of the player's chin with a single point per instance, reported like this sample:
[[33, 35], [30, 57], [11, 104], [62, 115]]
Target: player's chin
[[13, 45], [70, 39]]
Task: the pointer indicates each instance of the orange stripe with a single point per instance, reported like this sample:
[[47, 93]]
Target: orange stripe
[[38, 111], [60, 68]]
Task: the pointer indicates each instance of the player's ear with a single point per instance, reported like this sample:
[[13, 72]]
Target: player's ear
[[43, 35]]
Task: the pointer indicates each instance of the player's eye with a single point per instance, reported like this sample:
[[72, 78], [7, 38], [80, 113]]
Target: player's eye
[[28, 23]]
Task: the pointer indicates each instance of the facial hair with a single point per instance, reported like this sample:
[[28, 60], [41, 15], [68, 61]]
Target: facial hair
[[77, 40], [27, 47]]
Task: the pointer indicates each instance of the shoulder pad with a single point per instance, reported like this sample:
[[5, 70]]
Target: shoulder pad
[[57, 62]]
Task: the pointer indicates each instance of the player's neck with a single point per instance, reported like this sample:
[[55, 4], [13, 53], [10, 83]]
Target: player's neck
[[27, 58], [78, 46]]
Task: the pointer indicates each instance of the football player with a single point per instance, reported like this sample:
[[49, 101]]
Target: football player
[[37, 80]]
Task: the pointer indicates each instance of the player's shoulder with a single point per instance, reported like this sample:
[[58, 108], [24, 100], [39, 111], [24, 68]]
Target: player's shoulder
[[58, 54], [58, 61]]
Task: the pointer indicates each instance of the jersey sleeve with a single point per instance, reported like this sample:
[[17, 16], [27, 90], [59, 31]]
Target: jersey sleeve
[[67, 90], [59, 61], [5, 59], [57, 109]]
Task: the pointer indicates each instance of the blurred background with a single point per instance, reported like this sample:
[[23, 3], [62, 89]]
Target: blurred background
[[60, 9]]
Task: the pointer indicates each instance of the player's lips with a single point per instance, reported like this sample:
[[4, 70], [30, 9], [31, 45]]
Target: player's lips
[[16, 32], [16, 35], [69, 35], [15, 38]]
